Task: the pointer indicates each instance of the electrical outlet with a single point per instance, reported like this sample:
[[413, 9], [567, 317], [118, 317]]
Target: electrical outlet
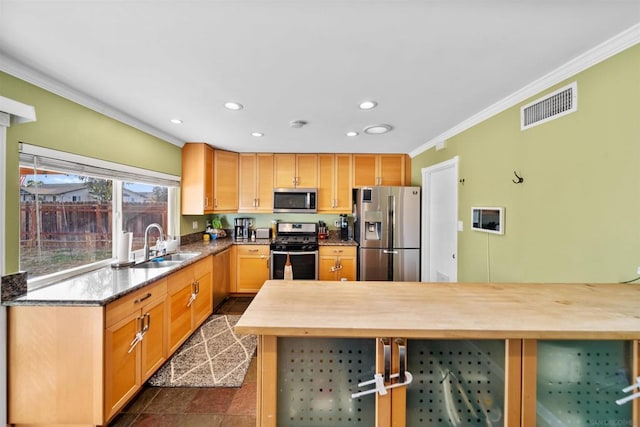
[[337, 223], [195, 225], [638, 270]]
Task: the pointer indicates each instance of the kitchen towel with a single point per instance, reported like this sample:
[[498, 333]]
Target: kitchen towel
[[124, 247]]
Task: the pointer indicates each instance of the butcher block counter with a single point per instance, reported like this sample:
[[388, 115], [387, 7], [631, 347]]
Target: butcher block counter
[[309, 328]]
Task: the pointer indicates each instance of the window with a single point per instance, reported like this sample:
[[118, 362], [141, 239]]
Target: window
[[73, 210]]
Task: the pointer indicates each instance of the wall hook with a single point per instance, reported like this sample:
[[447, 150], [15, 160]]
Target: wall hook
[[520, 179], [461, 181]]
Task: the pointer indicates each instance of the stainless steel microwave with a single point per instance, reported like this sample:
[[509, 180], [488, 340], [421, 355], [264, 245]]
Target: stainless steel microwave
[[295, 200]]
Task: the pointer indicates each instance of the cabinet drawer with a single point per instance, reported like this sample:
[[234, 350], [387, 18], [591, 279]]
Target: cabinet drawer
[[252, 250], [337, 250], [179, 279], [122, 307], [202, 267]]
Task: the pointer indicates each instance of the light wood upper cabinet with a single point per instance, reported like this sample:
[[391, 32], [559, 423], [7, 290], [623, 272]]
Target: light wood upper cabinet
[[256, 182], [197, 178], [295, 170], [334, 183], [209, 180], [225, 181], [381, 169]]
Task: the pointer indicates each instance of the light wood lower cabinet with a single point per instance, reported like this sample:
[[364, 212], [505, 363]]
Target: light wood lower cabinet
[[221, 277], [251, 267], [337, 263], [190, 301], [135, 344], [75, 365]]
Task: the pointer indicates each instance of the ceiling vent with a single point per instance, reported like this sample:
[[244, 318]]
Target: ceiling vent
[[556, 104]]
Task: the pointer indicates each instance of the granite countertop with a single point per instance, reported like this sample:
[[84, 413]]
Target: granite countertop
[[101, 286]]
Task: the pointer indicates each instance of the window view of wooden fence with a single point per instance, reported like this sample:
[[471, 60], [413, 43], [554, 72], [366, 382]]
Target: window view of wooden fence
[[67, 234]]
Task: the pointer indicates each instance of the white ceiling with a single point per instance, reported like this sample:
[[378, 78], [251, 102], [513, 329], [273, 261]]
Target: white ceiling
[[430, 64]]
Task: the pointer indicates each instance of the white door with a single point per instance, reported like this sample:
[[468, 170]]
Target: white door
[[440, 222]]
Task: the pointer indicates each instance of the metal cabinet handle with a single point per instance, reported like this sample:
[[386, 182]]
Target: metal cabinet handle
[[387, 359], [386, 251], [253, 250], [139, 300], [402, 355], [215, 202], [337, 251]]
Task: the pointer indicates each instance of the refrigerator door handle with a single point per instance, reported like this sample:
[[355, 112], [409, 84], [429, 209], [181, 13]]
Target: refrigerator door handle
[[387, 251]]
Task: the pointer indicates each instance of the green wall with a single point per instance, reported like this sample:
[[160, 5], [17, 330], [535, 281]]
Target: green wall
[[576, 217], [66, 126]]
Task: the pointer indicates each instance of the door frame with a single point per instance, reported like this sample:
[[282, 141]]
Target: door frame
[[427, 215]]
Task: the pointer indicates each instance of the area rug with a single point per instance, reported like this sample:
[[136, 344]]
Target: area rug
[[214, 356]]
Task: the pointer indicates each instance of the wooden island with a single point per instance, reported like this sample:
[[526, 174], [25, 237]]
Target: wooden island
[[476, 353]]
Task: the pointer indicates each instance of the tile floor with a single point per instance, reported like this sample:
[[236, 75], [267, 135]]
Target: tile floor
[[195, 407]]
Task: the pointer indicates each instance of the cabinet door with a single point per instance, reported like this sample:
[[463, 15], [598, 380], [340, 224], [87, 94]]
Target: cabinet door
[[122, 362], [203, 304], [391, 169], [180, 289], [154, 344], [197, 179], [221, 282], [248, 164], [349, 268], [225, 181], [326, 180], [307, 170], [326, 267], [364, 170], [252, 268], [265, 183], [343, 187], [284, 170]]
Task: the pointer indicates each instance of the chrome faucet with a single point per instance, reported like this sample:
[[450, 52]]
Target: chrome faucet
[[146, 239]]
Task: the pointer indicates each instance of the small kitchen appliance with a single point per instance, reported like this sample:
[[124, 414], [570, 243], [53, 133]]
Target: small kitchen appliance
[[242, 227], [344, 227]]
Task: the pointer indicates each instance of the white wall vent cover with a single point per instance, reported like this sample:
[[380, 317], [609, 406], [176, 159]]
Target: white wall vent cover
[[556, 104]]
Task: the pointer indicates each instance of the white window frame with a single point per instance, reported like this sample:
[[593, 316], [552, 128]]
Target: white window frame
[[119, 174]]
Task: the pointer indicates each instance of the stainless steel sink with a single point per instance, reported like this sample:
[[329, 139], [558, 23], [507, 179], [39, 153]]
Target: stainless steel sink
[[180, 256], [157, 264]]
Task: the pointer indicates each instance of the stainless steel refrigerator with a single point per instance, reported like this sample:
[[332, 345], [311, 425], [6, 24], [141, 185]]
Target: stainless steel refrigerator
[[387, 229]]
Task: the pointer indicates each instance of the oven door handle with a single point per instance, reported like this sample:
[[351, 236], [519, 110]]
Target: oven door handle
[[293, 253]]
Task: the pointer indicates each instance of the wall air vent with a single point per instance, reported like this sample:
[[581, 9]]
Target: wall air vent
[[556, 104]]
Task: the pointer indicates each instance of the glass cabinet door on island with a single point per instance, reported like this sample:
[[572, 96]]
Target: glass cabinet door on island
[[316, 378], [578, 383], [389, 382]]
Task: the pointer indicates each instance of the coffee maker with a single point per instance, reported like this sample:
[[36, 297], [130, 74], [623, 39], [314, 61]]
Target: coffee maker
[[344, 227], [242, 227]]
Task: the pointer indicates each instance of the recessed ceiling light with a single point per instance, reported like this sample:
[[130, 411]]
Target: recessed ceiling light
[[352, 133], [233, 106], [176, 121], [257, 134], [377, 129], [368, 105]]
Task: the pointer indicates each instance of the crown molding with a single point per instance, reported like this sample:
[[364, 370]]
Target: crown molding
[[30, 75], [599, 53]]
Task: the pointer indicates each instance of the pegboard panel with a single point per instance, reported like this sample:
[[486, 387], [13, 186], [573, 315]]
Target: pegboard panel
[[316, 377], [455, 383], [578, 383]]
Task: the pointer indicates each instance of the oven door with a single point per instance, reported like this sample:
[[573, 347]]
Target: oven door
[[303, 264]]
